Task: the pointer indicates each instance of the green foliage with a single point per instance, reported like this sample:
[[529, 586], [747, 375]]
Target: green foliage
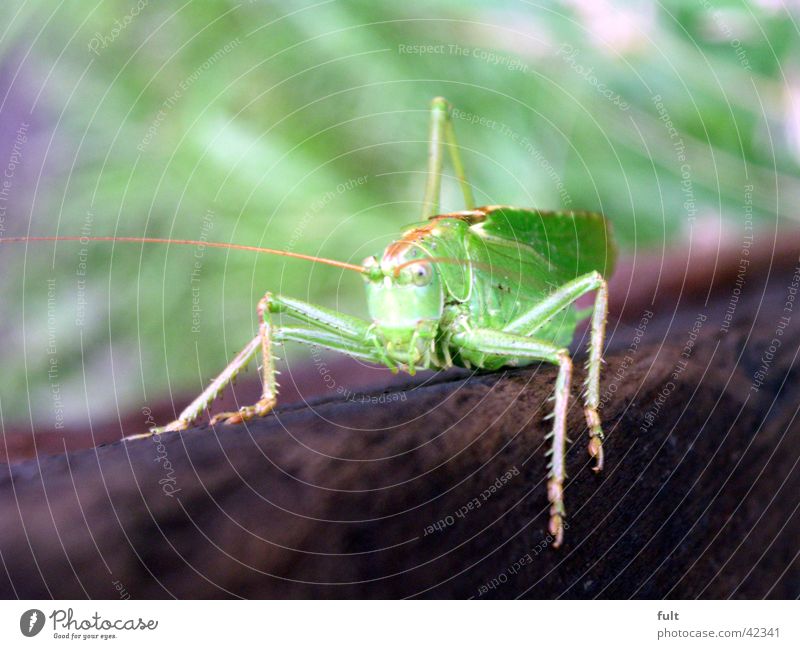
[[253, 122]]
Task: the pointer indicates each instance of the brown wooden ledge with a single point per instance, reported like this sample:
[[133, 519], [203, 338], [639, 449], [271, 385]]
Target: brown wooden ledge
[[438, 490]]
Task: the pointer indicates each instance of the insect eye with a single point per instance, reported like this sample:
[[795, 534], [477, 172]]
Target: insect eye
[[420, 274]]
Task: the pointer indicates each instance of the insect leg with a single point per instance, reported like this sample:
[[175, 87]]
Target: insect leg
[[363, 351], [334, 330], [441, 129], [270, 386], [355, 335], [488, 341], [530, 321], [351, 330], [592, 400], [545, 310], [269, 389], [318, 316], [196, 408], [455, 158]]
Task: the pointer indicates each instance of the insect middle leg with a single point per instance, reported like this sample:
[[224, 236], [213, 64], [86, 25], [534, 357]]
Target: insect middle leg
[[489, 341], [534, 319]]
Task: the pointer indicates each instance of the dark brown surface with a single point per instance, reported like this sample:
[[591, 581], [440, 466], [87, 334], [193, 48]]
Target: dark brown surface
[[335, 500]]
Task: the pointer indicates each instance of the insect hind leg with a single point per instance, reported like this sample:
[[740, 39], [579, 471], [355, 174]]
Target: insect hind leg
[[442, 133]]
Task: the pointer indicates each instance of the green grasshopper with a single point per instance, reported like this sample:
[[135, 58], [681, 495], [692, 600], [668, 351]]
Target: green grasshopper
[[487, 287]]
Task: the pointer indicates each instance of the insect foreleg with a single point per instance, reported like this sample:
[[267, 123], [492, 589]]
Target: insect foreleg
[[331, 329], [529, 322], [269, 385], [318, 316], [335, 342], [442, 131], [488, 341], [336, 331], [315, 338], [197, 407]]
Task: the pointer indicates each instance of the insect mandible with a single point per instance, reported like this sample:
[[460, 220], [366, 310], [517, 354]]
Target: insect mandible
[[485, 288]]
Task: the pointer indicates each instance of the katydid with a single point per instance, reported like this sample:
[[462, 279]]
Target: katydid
[[486, 288]]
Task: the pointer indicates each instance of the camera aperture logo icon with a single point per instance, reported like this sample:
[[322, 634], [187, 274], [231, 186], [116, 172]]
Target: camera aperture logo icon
[[31, 622]]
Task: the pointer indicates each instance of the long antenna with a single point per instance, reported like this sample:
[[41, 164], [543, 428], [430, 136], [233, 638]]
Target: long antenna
[[191, 242]]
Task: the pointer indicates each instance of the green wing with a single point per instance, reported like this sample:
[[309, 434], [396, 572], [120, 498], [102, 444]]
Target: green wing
[[507, 258], [550, 248]]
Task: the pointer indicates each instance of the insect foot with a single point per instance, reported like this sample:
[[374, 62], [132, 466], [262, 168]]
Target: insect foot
[[595, 437], [178, 424], [259, 409], [555, 493]]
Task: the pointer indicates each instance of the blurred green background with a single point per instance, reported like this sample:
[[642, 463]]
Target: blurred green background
[[303, 125]]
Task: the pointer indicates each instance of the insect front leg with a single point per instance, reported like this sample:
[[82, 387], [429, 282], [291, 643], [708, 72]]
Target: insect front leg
[[531, 321], [269, 390], [197, 407], [269, 395], [330, 329], [442, 132], [337, 331], [488, 341]]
